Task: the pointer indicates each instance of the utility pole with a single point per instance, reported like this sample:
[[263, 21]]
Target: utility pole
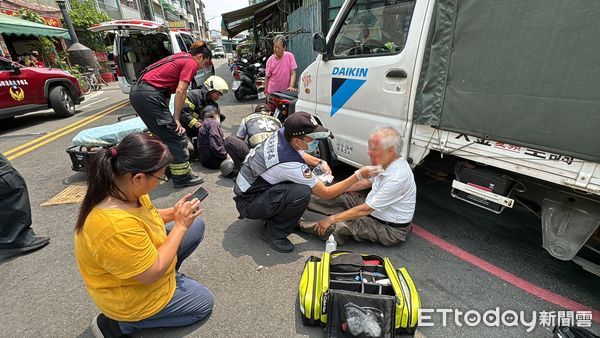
[[78, 53]]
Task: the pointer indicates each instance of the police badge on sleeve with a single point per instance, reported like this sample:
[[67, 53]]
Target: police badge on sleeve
[[306, 172]]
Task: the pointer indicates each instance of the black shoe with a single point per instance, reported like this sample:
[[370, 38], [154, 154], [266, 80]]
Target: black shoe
[[282, 245], [187, 181], [311, 228], [104, 327], [11, 250]]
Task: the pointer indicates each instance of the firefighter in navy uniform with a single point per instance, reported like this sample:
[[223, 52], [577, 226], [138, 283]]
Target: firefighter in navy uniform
[[149, 97], [191, 114]]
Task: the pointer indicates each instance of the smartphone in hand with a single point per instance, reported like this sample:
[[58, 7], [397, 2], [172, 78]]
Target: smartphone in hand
[[201, 193]]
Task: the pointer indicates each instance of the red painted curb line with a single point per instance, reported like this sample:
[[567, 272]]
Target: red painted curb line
[[522, 284]]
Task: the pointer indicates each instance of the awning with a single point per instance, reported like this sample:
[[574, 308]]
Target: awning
[[13, 25], [240, 20]]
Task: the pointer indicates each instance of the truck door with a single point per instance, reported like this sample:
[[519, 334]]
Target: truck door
[[365, 77]]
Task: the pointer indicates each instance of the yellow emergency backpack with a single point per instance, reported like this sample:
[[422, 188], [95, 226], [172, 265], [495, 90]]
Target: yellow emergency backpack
[[340, 289]]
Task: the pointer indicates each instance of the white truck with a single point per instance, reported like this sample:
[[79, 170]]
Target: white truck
[[505, 93]]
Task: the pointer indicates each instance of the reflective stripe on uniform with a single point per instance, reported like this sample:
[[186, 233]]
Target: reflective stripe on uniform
[[258, 138], [192, 123], [242, 183], [178, 169], [190, 104]]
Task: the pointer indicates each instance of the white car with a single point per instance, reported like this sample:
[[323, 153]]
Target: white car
[[139, 43], [219, 53]]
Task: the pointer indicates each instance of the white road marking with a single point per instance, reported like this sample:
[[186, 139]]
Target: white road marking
[[94, 94], [91, 103]]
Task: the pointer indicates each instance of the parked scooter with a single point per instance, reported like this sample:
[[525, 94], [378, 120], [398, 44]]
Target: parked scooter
[[250, 85], [282, 103]]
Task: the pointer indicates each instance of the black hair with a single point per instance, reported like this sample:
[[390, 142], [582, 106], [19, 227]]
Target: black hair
[[200, 47], [137, 153]]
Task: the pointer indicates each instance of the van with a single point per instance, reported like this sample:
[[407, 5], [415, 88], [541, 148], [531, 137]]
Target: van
[[498, 97], [139, 43]]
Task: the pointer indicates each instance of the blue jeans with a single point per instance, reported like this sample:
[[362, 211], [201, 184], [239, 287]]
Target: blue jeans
[[191, 302]]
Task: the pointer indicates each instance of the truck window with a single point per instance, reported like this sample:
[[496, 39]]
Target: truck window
[[376, 28]]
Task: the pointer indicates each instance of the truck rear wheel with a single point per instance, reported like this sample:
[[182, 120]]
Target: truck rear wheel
[[61, 101]]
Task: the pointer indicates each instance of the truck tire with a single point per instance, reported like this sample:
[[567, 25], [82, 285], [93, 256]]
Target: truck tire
[[61, 101], [323, 152]]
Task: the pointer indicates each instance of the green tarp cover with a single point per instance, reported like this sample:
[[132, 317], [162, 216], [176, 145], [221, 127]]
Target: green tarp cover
[[517, 71], [13, 25]]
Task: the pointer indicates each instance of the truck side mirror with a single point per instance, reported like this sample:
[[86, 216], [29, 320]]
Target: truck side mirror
[[319, 43]]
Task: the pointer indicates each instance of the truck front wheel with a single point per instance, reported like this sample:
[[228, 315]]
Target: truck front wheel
[[324, 152], [61, 101]]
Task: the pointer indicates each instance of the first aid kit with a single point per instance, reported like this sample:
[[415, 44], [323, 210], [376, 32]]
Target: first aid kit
[[355, 295]]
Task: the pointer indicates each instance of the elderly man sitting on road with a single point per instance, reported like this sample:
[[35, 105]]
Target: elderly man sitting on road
[[385, 215]]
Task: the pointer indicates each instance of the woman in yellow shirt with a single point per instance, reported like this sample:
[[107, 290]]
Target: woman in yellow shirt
[[127, 256]]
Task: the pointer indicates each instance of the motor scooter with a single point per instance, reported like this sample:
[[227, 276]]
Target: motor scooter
[[282, 103], [250, 85]]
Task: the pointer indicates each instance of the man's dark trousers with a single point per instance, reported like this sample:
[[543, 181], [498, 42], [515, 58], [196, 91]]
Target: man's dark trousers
[[15, 210], [237, 149], [281, 206], [151, 105]]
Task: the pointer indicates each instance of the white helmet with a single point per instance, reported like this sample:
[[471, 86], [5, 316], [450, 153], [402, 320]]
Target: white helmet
[[216, 83]]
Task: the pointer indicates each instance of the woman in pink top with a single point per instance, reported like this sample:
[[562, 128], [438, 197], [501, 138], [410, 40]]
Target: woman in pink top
[[281, 68]]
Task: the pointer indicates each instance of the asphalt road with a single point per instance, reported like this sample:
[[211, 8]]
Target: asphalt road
[[255, 287]]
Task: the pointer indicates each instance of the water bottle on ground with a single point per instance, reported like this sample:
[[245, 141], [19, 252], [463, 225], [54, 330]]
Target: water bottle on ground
[[330, 245]]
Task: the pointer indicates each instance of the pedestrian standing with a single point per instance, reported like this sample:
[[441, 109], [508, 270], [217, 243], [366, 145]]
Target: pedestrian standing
[[281, 68], [149, 97]]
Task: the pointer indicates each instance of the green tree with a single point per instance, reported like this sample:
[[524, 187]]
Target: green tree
[[84, 14]]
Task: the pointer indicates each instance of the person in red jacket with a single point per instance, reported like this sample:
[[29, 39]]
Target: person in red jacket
[[36, 59], [149, 97]]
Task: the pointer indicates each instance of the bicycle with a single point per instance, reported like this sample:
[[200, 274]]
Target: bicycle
[[89, 81]]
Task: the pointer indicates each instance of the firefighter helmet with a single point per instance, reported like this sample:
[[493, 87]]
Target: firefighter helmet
[[216, 83]]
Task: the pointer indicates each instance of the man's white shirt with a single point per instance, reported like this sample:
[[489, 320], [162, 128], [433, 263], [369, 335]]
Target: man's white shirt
[[393, 195]]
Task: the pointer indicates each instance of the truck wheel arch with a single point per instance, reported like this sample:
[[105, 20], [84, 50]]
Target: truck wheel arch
[[325, 149]]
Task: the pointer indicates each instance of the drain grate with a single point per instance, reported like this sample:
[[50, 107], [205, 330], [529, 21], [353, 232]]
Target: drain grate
[[72, 194]]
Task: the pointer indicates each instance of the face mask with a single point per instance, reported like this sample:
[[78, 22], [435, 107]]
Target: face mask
[[312, 145]]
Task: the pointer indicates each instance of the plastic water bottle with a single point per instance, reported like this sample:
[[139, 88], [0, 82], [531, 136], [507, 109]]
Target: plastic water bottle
[[330, 245]]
